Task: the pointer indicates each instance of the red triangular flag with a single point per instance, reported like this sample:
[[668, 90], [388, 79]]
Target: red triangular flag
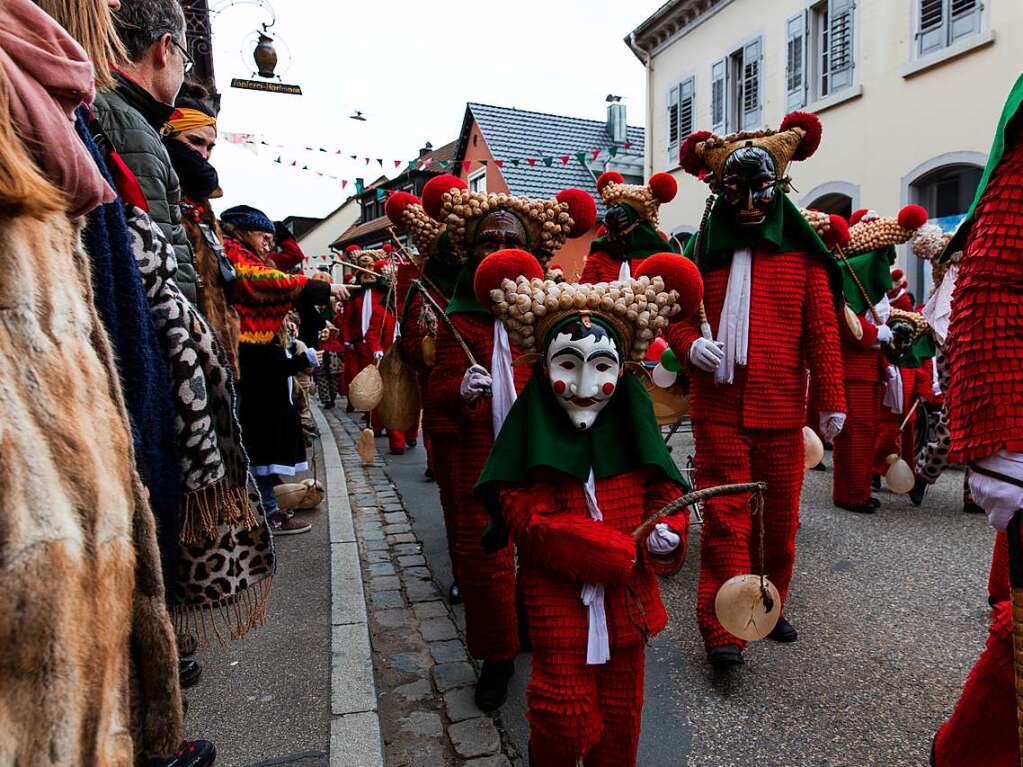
[[294, 163], [466, 164], [564, 159], [344, 183], [397, 163], [499, 163], [596, 153], [338, 152], [627, 145], [366, 159], [531, 161]]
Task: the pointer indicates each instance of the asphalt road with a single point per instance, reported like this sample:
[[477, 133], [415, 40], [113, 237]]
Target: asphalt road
[[891, 610]]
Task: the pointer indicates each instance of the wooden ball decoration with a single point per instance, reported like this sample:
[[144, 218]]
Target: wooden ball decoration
[[813, 448], [899, 478], [366, 389], [742, 609]]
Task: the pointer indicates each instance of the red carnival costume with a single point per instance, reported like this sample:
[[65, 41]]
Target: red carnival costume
[[748, 389], [467, 400], [985, 346], [578, 467], [630, 231]]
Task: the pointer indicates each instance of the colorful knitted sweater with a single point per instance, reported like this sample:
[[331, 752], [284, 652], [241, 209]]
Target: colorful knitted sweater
[[263, 295]]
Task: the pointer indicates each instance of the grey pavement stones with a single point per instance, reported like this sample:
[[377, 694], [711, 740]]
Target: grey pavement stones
[[355, 739], [420, 667]]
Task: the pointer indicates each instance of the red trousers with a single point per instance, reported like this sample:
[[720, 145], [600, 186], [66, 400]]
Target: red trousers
[[441, 449], [585, 712], [728, 547], [889, 440], [854, 447], [983, 729]]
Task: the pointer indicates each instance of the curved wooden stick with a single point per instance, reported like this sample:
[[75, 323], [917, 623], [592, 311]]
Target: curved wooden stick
[[447, 321], [697, 496]]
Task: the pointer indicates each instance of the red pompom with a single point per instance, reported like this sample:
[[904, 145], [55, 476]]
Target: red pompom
[[353, 249], [581, 208], [912, 217], [396, 205], [811, 126], [691, 162], [838, 231], [387, 247], [679, 274], [433, 193], [854, 219], [379, 264], [601, 231], [664, 235], [897, 274], [503, 265], [656, 349], [663, 186], [609, 177]]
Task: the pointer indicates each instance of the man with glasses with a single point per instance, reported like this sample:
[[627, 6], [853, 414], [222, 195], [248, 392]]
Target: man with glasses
[[134, 112]]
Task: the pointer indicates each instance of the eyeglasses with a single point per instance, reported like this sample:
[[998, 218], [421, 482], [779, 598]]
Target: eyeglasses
[[188, 60]]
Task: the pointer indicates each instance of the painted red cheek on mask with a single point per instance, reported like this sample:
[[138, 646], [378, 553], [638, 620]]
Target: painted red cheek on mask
[[609, 388], [559, 387]]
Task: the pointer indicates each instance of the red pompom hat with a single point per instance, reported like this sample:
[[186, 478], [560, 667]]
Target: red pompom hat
[[645, 200], [870, 231]]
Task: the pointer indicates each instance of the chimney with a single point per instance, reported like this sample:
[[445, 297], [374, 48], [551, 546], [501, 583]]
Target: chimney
[[426, 149], [616, 128]]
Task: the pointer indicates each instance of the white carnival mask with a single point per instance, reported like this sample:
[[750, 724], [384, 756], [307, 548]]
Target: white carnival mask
[[583, 364]]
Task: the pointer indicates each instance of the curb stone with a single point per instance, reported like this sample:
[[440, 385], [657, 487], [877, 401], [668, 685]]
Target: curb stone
[[355, 739]]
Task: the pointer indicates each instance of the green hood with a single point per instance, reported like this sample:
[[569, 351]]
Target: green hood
[[642, 242], [874, 271], [463, 296]]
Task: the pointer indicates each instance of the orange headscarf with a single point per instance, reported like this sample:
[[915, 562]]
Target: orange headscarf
[[184, 119]]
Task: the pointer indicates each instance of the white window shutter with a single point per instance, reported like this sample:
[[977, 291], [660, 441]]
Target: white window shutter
[[840, 24], [686, 108], [718, 91], [671, 120], [931, 25], [964, 18], [752, 83], [795, 62]]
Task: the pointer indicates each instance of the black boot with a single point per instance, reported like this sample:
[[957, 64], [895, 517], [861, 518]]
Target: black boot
[[193, 753], [492, 686], [783, 632], [916, 495], [725, 657], [875, 481], [189, 672], [868, 507]]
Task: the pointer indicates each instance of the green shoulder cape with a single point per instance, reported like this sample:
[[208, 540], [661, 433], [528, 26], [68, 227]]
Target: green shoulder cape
[[463, 296], [874, 271], [1009, 114], [538, 433], [642, 242]]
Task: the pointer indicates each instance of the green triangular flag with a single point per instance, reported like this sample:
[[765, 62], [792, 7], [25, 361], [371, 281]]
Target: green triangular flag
[[443, 163], [612, 150], [581, 157], [515, 163], [548, 161]]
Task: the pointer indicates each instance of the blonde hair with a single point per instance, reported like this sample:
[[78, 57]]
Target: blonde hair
[[91, 23], [24, 191]]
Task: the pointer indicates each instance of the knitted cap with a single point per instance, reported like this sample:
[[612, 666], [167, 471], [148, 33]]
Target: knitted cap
[[248, 219]]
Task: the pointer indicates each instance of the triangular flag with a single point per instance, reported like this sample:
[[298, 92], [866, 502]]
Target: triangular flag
[[499, 163], [397, 163], [278, 160], [466, 164], [294, 163], [564, 159], [354, 157], [338, 152], [581, 157], [344, 183], [596, 153], [442, 163], [264, 143], [305, 167], [532, 161], [308, 149], [323, 150], [548, 161], [381, 194], [484, 162], [627, 145], [427, 161], [379, 160], [612, 150], [359, 186], [366, 159], [515, 163]]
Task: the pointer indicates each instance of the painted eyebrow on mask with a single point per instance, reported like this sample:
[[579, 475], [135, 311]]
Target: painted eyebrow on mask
[[603, 353], [571, 351]]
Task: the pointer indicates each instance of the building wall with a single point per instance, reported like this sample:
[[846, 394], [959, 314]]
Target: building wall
[[876, 143], [316, 242]]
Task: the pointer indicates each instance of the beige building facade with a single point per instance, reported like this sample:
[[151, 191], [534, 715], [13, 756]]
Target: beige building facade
[[908, 93]]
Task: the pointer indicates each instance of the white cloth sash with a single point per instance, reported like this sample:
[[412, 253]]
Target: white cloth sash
[[893, 389], [938, 309], [503, 379], [598, 645], [367, 311], [624, 271], [733, 328]]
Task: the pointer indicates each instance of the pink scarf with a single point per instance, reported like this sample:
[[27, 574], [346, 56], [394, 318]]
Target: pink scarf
[[49, 76]]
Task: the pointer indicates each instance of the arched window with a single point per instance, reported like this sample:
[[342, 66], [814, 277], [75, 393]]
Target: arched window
[[838, 197]]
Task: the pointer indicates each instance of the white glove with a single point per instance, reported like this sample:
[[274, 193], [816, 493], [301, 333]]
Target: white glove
[[339, 291], [475, 383], [314, 357], [706, 355], [377, 356], [831, 424], [884, 336], [999, 499], [662, 540]]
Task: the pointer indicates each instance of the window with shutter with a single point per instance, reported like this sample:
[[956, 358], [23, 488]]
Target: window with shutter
[[795, 62], [931, 32], [687, 108], [942, 22], [718, 82], [965, 18], [751, 97], [672, 119], [840, 43]]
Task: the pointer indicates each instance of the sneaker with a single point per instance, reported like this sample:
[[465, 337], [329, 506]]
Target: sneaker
[[193, 753], [282, 524]]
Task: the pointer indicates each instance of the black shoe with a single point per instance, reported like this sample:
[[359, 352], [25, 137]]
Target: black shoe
[[783, 632], [916, 495], [969, 507], [349, 408], [863, 508], [193, 753], [411, 442], [454, 594], [397, 451], [875, 502], [428, 474], [187, 645], [189, 672], [725, 657], [492, 686], [328, 405], [875, 481], [820, 467]]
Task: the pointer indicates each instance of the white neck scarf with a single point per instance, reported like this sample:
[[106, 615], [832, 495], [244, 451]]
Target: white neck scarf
[[893, 393], [598, 645], [938, 309], [367, 310], [733, 328], [503, 386], [624, 271]]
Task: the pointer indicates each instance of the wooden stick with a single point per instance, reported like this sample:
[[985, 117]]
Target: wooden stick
[[354, 266], [697, 496], [909, 414], [447, 321], [704, 323], [863, 291]]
